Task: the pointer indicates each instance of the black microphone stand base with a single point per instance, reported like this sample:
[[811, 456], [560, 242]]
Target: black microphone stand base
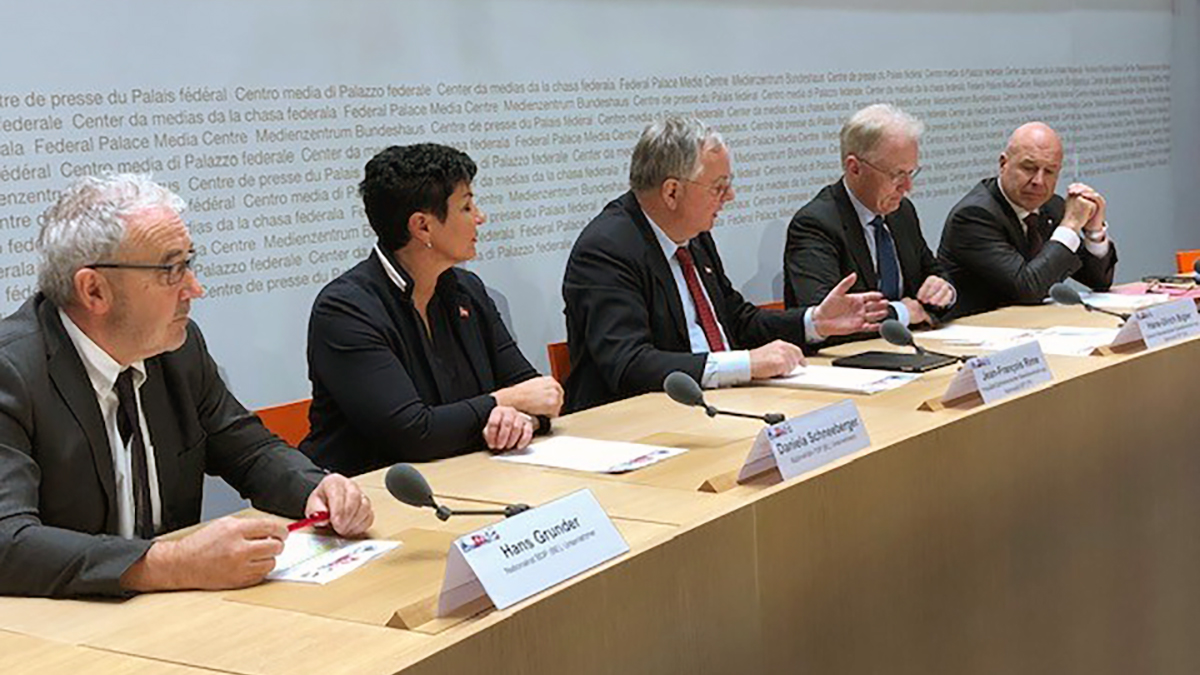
[[445, 512]]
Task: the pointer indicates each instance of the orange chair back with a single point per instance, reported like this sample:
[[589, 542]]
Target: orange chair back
[[772, 305], [1184, 260], [288, 421], [560, 361]]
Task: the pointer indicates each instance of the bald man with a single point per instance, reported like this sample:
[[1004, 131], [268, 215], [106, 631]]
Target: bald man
[[1011, 238]]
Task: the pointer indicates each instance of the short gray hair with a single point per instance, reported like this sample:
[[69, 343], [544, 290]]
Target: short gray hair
[[865, 128], [670, 148], [86, 225]]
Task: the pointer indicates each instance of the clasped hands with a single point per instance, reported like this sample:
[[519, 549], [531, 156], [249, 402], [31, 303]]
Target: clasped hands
[[1084, 210], [513, 421]]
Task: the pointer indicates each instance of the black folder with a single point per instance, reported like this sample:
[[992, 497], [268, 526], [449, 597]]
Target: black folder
[[905, 363]]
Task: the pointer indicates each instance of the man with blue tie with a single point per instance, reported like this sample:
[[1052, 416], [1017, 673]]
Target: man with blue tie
[[865, 224]]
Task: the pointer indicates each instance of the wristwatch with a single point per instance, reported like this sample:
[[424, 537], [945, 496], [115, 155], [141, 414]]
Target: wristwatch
[[1098, 236]]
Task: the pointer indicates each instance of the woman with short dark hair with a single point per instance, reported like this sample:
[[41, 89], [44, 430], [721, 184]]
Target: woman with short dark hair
[[408, 357]]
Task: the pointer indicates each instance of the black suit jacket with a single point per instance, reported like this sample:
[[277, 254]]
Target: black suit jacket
[[58, 513], [986, 253], [376, 398], [625, 325], [825, 242]]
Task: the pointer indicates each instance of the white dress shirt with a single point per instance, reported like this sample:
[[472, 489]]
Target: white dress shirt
[[721, 369], [103, 370]]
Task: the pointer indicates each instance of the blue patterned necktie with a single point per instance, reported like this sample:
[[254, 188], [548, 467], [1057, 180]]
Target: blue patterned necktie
[[885, 253]]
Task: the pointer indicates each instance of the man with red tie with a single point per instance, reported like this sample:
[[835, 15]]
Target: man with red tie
[[646, 292], [1011, 238]]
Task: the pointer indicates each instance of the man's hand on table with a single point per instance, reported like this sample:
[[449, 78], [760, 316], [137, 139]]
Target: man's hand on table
[[239, 552]]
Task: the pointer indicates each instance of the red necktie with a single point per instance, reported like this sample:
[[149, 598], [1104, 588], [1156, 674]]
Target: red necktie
[[704, 311]]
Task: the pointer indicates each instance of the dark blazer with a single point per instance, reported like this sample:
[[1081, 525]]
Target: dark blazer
[[625, 325], [986, 253], [376, 397], [58, 513], [825, 242]]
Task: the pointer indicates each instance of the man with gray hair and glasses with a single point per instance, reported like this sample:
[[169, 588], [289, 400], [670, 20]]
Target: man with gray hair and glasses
[[865, 224], [112, 411], [646, 293]]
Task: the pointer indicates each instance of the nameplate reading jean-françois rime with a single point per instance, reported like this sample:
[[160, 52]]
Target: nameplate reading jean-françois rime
[[1002, 374], [807, 442], [1161, 324], [524, 555]]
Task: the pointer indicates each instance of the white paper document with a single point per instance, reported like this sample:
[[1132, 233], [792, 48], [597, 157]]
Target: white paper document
[[975, 336], [1120, 302], [1073, 340], [586, 454], [319, 559], [845, 380], [1060, 340]]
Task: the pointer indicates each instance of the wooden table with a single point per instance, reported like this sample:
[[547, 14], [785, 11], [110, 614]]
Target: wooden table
[[25, 655], [1057, 531]]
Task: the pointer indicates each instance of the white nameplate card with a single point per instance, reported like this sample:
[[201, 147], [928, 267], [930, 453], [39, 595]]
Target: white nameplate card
[[1161, 324], [997, 376], [807, 442], [524, 555]]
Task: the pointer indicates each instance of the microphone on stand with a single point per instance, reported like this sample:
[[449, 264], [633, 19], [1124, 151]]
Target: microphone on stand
[[683, 389], [1065, 295], [898, 334], [408, 485]]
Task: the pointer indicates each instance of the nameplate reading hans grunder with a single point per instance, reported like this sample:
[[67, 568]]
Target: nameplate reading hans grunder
[[529, 553]]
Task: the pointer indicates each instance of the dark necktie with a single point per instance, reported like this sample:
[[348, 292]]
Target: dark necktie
[[1033, 234], [704, 311], [129, 428], [885, 253]]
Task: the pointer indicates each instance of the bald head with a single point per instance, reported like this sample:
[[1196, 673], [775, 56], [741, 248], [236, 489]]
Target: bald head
[[1030, 164], [1033, 135]]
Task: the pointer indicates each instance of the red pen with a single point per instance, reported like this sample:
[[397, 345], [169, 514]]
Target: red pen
[[318, 517]]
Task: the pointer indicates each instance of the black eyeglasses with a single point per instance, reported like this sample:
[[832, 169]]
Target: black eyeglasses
[[173, 272]]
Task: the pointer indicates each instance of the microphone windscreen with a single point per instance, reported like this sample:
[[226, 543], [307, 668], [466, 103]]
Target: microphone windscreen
[[1196, 266], [409, 486], [896, 333], [683, 389], [1065, 295]]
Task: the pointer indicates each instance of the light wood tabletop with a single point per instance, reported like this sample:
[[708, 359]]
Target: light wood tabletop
[[1051, 532]]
